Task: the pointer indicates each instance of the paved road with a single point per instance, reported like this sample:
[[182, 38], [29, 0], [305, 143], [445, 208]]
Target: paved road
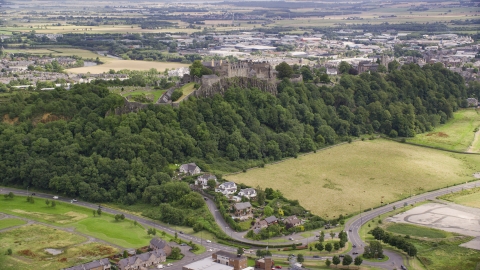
[[395, 259]]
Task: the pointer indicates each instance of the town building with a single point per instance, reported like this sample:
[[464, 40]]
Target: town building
[[202, 180], [159, 244], [144, 260], [102, 264], [242, 210]]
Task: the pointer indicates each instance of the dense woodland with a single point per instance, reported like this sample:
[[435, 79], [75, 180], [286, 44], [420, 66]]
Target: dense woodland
[[63, 140]]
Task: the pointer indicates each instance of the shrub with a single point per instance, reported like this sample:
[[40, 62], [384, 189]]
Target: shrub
[[176, 94]]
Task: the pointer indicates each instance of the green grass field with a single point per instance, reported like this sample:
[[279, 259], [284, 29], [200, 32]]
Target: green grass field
[[187, 90], [117, 65], [457, 134], [417, 231], [469, 197], [105, 227], [360, 175], [28, 244], [10, 222]]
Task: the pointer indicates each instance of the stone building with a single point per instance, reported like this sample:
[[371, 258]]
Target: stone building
[[238, 262], [250, 69]]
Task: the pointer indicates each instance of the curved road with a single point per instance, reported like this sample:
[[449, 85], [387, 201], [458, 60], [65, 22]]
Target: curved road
[[395, 259], [353, 224]]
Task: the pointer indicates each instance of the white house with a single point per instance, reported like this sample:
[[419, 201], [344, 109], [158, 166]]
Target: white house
[[248, 192], [202, 180], [190, 168], [227, 188]]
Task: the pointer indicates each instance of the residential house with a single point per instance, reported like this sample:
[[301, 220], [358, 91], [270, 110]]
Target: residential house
[[227, 188], [332, 71], [102, 264], [202, 180], [226, 258], [271, 220], [472, 102], [292, 221], [242, 210], [262, 224], [157, 243], [190, 168], [248, 193], [143, 260]]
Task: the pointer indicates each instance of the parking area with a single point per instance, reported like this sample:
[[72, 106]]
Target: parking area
[[448, 217]]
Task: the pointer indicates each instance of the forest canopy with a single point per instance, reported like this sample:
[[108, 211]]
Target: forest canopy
[[83, 151]]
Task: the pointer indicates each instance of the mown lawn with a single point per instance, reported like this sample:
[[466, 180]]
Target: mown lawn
[[456, 134], [28, 244], [352, 177], [104, 227], [187, 89], [10, 222], [418, 231]]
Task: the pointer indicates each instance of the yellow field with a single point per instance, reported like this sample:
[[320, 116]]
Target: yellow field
[[469, 197], [102, 29], [350, 177], [62, 52], [127, 64]]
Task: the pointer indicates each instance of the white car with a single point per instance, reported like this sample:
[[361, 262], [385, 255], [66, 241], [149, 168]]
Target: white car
[[208, 241], [55, 197], [160, 266], [169, 264]]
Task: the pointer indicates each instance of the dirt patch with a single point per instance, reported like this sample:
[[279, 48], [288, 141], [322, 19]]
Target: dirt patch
[[48, 117], [27, 253], [438, 134], [8, 120]]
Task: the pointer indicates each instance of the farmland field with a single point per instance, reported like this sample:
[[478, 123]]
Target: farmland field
[[127, 64], [456, 134], [350, 177], [418, 231], [68, 215], [28, 244]]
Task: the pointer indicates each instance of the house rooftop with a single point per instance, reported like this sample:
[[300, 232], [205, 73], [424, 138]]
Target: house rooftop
[[243, 205], [207, 264], [271, 219], [228, 254]]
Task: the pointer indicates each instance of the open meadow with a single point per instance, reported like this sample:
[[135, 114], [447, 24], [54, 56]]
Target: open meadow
[[10, 222], [470, 197], [351, 177], [28, 244], [457, 134], [104, 227]]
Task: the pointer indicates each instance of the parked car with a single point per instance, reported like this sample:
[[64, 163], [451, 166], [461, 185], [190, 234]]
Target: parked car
[[316, 256], [183, 244], [208, 241], [341, 255], [278, 267], [160, 266], [169, 264], [55, 197]]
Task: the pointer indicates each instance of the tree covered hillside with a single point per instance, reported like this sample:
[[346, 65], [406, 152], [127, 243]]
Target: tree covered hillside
[[126, 158]]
